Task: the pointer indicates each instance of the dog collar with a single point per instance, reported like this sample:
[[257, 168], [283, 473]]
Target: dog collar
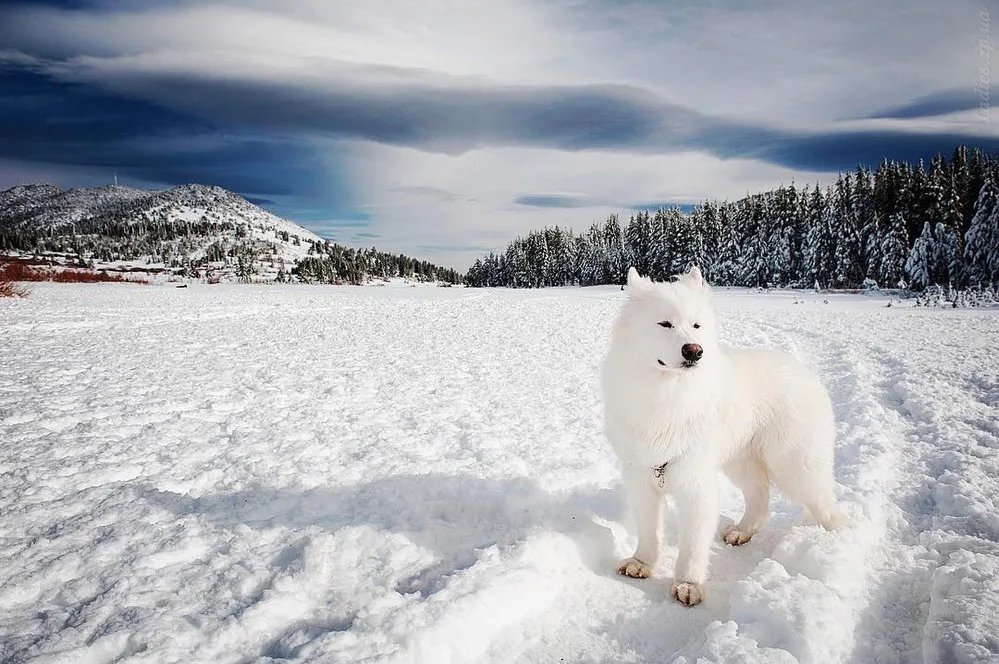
[[659, 472]]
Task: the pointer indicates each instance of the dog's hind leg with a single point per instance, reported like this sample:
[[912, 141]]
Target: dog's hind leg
[[799, 461], [645, 501], [750, 476]]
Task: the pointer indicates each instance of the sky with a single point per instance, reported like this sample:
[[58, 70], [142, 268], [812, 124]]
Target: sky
[[444, 128]]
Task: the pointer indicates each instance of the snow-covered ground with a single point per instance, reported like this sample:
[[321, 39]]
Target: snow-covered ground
[[243, 473]]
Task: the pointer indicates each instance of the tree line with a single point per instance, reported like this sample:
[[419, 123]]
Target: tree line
[[899, 225], [333, 263]]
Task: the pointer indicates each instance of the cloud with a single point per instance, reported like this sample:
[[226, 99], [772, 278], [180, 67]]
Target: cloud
[[451, 115], [838, 150], [571, 201], [555, 200], [261, 201], [433, 193], [443, 114], [941, 102]]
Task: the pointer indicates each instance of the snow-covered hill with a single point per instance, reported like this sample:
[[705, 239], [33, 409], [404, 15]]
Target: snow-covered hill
[[261, 474], [192, 230], [45, 206]]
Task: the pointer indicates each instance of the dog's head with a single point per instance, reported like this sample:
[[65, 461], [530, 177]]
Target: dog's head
[[669, 326]]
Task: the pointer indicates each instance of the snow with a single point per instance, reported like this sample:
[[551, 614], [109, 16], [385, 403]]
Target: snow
[[262, 473]]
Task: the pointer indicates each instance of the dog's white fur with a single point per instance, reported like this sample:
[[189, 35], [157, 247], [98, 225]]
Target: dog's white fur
[[757, 415]]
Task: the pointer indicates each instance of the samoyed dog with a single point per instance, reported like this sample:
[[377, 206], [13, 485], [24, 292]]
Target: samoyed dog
[[679, 407]]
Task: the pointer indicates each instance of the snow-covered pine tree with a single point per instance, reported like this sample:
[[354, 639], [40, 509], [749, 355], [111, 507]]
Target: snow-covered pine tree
[[593, 263], [848, 270], [981, 245], [919, 265], [894, 251], [616, 262], [706, 220], [946, 266], [862, 207], [660, 245], [730, 251], [779, 225], [819, 244], [684, 242], [580, 258], [872, 254], [799, 228], [952, 218], [638, 242], [750, 265]]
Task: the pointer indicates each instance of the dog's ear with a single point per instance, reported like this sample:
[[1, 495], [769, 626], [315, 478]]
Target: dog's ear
[[637, 284], [694, 277]]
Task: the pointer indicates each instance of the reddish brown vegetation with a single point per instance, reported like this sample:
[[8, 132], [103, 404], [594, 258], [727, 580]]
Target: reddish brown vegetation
[[21, 271], [11, 289]]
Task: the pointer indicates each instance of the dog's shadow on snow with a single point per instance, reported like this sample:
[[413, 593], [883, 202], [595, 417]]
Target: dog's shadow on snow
[[453, 516]]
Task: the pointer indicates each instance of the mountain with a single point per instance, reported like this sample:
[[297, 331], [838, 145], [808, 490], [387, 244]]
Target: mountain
[[192, 230]]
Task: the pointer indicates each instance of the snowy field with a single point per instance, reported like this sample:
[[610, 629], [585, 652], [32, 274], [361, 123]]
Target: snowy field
[[265, 473]]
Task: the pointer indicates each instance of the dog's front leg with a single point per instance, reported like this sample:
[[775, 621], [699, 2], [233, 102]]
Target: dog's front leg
[[697, 511], [645, 500]]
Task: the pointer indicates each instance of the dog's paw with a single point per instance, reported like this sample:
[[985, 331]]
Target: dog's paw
[[687, 593], [634, 568], [735, 536]]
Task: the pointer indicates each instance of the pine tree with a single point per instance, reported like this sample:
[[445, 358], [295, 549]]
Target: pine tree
[[638, 242], [849, 268], [615, 265], [894, 251], [945, 263], [873, 254], [919, 265], [981, 246], [864, 219], [820, 247]]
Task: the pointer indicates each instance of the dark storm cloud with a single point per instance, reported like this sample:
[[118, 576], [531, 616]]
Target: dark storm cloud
[[444, 116], [844, 150], [45, 121], [937, 103]]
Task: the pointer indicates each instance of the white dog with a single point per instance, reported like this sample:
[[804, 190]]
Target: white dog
[[679, 407]]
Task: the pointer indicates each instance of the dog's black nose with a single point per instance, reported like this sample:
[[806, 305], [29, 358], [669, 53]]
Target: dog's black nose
[[692, 352]]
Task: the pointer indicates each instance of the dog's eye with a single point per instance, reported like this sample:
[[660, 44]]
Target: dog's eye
[[665, 323], [697, 326]]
